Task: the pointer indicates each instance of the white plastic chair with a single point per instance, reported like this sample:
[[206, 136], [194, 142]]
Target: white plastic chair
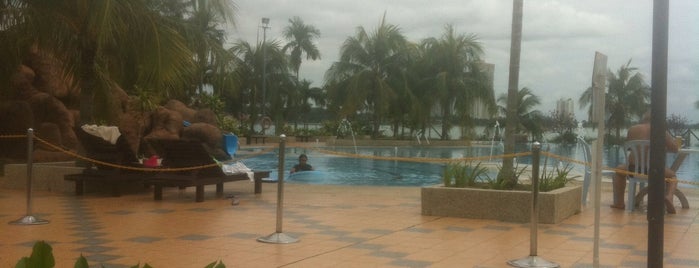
[[587, 156], [639, 151]]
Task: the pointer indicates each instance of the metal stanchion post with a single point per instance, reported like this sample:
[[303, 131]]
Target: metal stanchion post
[[533, 260], [279, 237], [29, 219]]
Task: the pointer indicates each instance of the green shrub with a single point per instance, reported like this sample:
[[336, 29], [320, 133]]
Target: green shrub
[[500, 183], [464, 175], [42, 257], [230, 124], [555, 178]]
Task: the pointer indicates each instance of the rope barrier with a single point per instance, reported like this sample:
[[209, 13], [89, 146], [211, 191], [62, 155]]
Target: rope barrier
[[413, 159], [616, 170], [12, 136], [76, 155], [345, 154]]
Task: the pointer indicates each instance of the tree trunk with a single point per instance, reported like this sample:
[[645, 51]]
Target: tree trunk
[[506, 174], [445, 124]]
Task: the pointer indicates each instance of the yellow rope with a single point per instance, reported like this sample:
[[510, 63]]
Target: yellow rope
[[404, 159], [73, 154], [413, 159], [12, 136], [620, 171]]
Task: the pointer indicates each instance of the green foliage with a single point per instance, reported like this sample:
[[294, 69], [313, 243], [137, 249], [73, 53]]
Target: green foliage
[[565, 138], [464, 175], [504, 182], [328, 128], [555, 178], [216, 264], [211, 101], [232, 125], [147, 99], [42, 257], [81, 262]]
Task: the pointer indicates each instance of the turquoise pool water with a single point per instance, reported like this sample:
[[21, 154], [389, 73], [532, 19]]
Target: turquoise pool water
[[341, 170]]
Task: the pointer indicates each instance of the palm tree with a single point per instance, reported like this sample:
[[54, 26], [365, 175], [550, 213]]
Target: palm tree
[[528, 119], [248, 71], [359, 81], [100, 43], [280, 84], [298, 103], [206, 38], [300, 37], [506, 174], [458, 81], [627, 96]]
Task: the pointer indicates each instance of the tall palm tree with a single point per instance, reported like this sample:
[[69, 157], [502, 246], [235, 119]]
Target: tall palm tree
[[627, 97], [528, 119], [280, 84], [506, 174], [360, 79], [248, 70], [202, 23], [458, 81], [97, 40], [206, 37], [301, 40]]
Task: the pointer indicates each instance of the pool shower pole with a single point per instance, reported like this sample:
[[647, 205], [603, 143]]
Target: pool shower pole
[[29, 219], [533, 260], [279, 237]]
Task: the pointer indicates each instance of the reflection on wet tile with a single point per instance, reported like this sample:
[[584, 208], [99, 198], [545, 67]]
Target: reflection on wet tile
[[338, 226]]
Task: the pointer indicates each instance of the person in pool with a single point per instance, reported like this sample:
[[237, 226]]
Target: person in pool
[[302, 165]]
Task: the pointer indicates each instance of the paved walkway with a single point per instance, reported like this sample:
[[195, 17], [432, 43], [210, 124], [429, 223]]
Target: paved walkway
[[338, 226]]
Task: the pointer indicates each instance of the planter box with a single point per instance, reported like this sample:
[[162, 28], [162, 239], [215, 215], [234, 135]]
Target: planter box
[[510, 206]]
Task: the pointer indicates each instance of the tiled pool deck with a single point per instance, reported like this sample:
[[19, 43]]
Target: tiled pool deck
[[338, 226]]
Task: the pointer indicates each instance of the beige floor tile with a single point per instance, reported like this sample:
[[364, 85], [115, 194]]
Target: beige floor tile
[[338, 226]]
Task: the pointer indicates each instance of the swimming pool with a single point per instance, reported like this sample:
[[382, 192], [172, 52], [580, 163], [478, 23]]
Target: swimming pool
[[341, 170]]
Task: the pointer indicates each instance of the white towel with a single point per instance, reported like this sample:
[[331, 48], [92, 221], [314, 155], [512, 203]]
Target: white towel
[[108, 133], [230, 168]]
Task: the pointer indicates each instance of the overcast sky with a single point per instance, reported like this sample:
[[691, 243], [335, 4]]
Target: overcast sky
[[560, 38]]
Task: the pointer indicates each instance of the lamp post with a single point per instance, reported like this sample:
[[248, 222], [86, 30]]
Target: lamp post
[[265, 26]]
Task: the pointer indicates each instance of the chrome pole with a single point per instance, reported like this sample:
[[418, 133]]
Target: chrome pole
[[28, 219], [533, 260], [279, 237]]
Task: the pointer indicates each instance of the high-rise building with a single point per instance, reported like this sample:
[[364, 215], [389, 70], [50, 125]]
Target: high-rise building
[[565, 107], [479, 109]]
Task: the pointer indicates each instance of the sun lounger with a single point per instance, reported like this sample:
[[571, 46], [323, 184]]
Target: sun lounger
[[114, 156], [188, 163]]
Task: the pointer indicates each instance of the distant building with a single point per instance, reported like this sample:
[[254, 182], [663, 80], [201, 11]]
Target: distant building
[[479, 110], [565, 107]]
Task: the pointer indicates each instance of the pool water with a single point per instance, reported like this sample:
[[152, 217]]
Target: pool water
[[342, 170]]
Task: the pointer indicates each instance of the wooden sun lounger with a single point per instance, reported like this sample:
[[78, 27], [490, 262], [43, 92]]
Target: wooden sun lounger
[[118, 155], [196, 168]]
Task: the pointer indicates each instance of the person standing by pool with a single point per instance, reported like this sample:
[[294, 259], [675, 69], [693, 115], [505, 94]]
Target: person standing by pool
[[302, 165], [641, 131]]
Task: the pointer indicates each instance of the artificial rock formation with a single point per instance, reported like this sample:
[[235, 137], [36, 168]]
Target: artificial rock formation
[[40, 97]]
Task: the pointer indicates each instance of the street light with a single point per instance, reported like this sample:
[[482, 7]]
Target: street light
[[265, 26]]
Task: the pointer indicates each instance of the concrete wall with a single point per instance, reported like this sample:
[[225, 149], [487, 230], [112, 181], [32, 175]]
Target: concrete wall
[[45, 176]]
